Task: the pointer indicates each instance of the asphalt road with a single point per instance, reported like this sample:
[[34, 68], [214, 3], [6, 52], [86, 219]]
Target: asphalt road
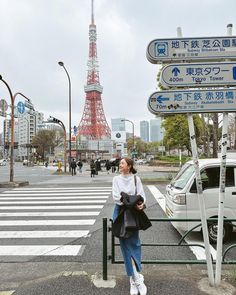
[[85, 252]]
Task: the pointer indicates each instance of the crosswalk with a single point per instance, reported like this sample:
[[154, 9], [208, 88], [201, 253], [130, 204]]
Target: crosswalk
[[48, 221]]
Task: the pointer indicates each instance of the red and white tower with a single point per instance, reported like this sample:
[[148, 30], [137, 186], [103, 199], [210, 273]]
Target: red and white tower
[[93, 124]]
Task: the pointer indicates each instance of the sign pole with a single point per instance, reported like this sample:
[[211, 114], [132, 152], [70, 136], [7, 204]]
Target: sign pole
[[199, 191], [221, 199], [224, 141], [201, 199]]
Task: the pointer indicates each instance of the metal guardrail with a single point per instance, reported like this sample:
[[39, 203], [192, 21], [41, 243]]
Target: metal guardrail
[[180, 243]]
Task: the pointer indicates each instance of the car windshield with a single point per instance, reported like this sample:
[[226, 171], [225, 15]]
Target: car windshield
[[183, 176]]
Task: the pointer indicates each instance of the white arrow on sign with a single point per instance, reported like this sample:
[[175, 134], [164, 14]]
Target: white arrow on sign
[[197, 75], [193, 101], [190, 49]]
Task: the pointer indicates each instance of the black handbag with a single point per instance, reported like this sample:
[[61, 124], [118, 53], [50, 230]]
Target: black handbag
[[129, 219]]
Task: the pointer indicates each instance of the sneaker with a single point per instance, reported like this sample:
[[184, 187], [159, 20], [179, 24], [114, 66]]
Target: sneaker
[[140, 285], [133, 287]]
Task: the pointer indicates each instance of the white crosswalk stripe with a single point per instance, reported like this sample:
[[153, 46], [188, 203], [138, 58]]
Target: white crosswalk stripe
[[45, 221], [197, 251]]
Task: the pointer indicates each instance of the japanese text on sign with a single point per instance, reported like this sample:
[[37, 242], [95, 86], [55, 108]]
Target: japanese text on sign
[[206, 48], [192, 101]]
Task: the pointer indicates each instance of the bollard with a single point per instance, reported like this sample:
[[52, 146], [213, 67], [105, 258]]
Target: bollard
[[104, 256]]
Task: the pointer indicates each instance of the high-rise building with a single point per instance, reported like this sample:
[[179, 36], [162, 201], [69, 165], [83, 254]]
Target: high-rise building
[[118, 124], [156, 132], [93, 125], [27, 127], [144, 131], [118, 132], [119, 136]]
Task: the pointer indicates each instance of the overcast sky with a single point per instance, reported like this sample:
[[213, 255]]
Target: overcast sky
[[36, 34]]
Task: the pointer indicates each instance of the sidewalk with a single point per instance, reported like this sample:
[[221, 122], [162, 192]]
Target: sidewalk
[[81, 279]]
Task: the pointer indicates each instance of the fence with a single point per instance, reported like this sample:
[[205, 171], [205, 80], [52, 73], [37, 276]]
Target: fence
[[180, 243]]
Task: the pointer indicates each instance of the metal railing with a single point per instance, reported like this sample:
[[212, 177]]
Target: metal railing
[[180, 243]]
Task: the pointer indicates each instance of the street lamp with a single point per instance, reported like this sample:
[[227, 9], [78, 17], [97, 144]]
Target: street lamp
[[62, 65], [12, 124], [123, 120]]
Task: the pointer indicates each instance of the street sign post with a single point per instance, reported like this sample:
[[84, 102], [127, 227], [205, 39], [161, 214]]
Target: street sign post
[[192, 49], [199, 74], [193, 101], [20, 107]]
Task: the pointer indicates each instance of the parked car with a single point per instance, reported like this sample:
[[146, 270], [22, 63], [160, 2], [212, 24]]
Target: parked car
[[182, 198], [141, 161], [3, 162]]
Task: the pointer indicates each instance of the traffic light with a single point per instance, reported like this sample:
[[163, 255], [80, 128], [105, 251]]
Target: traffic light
[[56, 120], [53, 120]]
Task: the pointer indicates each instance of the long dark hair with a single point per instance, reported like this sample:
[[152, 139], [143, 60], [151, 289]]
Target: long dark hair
[[130, 163]]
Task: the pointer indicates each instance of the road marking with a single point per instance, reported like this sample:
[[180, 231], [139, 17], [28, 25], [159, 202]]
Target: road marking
[[18, 208], [43, 234], [49, 194], [54, 202], [47, 222], [53, 198], [52, 207], [101, 188], [158, 196], [199, 252], [46, 214], [41, 250]]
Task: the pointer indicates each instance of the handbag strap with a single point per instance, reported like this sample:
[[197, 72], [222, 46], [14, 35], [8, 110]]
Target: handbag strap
[[135, 184]]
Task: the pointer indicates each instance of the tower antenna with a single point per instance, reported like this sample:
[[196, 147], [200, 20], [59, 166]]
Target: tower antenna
[[92, 17]]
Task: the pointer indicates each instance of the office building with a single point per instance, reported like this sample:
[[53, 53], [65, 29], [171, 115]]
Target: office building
[[144, 131], [28, 126], [156, 132], [119, 137]]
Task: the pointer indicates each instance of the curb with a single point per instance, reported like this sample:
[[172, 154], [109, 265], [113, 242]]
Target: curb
[[14, 184]]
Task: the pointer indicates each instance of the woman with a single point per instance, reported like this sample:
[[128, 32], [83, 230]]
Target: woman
[[130, 247]]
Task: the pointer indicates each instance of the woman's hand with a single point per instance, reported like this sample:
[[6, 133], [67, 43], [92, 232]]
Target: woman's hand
[[140, 206]]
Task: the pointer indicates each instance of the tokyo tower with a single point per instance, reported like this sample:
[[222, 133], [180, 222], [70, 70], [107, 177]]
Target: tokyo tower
[[93, 124]]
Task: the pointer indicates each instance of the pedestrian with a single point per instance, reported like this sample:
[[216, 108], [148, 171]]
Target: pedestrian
[[73, 166], [80, 165], [92, 168], [113, 166], [108, 166], [97, 166], [131, 246]]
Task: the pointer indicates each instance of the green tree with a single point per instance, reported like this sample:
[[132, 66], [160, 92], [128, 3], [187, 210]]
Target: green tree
[[140, 146], [177, 131], [152, 147], [45, 140]]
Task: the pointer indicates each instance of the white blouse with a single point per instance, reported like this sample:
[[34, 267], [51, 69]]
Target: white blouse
[[126, 184]]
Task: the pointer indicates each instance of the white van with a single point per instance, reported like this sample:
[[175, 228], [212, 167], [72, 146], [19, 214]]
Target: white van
[[182, 199], [3, 162]]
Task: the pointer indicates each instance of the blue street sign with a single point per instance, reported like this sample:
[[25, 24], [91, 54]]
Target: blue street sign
[[190, 49], [20, 107], [160, 99], [193, 101], [234, 73], [212, 74]]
